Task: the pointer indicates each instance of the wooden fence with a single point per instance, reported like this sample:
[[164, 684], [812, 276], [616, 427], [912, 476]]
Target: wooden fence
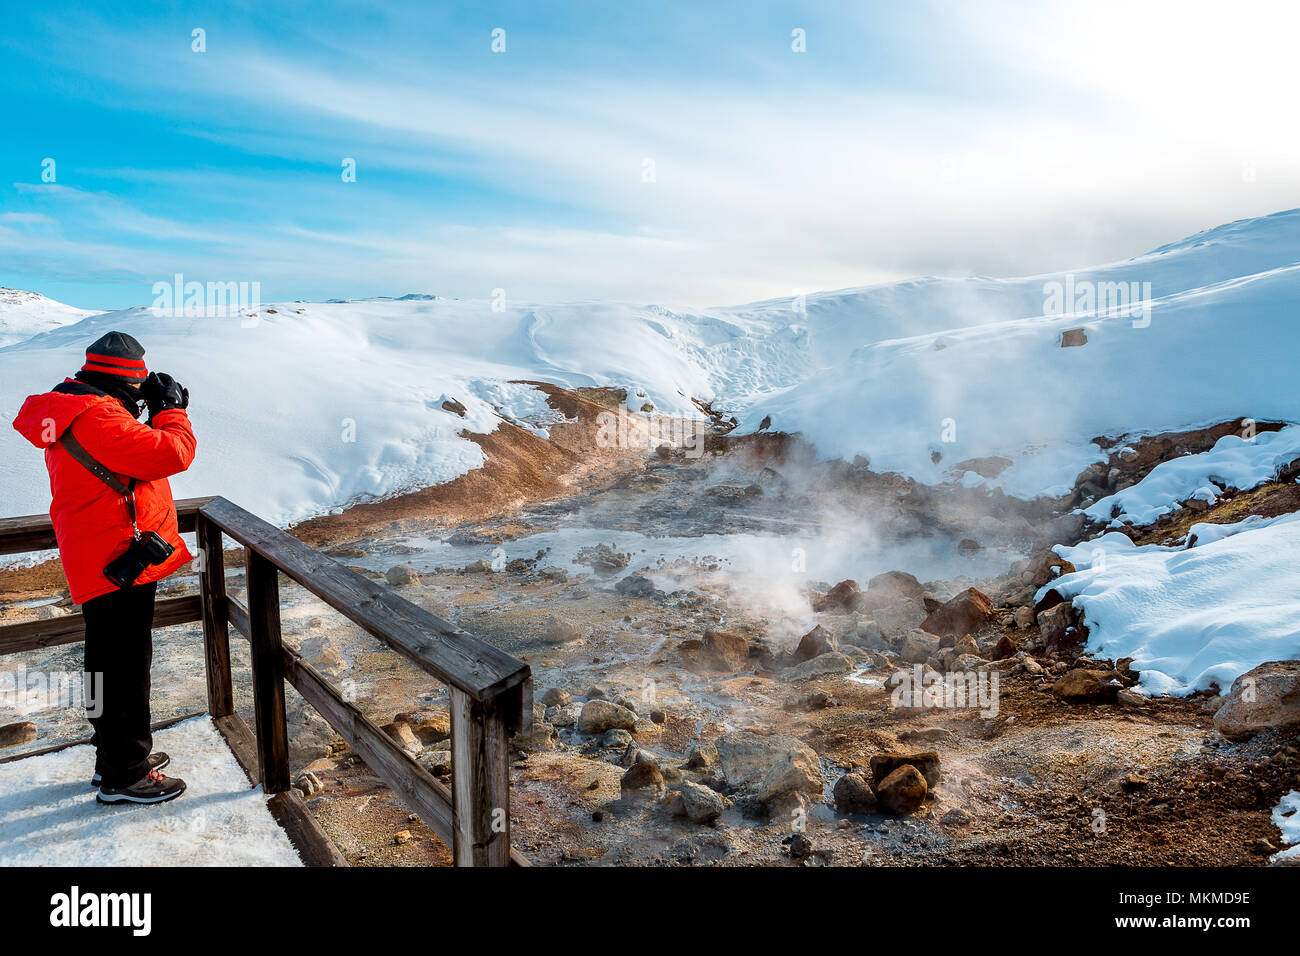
[[491, 692]]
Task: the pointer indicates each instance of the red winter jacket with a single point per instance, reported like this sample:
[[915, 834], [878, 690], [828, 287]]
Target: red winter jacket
[[91, 522]]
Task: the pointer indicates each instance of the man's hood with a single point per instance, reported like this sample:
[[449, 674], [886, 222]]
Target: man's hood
[[43, 418]]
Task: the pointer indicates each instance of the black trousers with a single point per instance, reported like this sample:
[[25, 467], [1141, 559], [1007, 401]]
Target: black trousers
[[119, 651]]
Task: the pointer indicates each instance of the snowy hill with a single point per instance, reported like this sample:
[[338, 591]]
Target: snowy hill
[[343, 400], [24, 314]]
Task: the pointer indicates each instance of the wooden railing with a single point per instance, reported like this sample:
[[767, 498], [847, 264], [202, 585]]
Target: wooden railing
[[491, 692]]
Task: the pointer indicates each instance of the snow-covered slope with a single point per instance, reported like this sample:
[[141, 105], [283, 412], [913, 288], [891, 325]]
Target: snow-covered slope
[[1191, 618], [318, 404], [24, 314]]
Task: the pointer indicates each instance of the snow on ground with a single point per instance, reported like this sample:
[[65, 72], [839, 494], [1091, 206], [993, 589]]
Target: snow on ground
[[1234, 462], [341, 401], [1191, 618], [1286, 816], [24, 314], [49, 815]]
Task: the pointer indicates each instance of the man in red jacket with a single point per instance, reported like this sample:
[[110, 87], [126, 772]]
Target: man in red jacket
[[108, 479]]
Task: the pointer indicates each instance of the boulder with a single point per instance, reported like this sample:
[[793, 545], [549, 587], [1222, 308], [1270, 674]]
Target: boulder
[[1004, 648], [1085, 685], [816, 642], [700, 804], [1265, 698], [641, 777], [898, 618], [890, 588], [1047, 566], [1024, 617], [598, 716], [854, 795], [965, 613], [563, 715], [1060, 627], [1073, 338], [825, 665], [561, 631], [925, 761], [724, 650], [764, 764], [541, 737], [966, 645], [555, 697], [842, 597], [15, 735], [903, 791], [401, 575], [919, 646]]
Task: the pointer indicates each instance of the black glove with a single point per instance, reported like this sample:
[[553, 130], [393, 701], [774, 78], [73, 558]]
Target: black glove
[[161, 392]]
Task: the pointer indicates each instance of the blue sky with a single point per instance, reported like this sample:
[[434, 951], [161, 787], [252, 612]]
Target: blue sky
[[918, 138]]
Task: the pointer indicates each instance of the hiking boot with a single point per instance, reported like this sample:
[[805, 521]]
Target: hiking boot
[[154, 788], [156, 762]]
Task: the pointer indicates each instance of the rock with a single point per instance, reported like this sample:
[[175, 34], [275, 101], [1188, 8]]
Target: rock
[[437, 762], [931, 601], [968, 544], [890, 588], [617, 737], [724, 650], [796, 772], [406, 738], [1004, 648], [1060, 629], [700, 804], [555, 697], [1047, 566], [541, 737], [825, 665], [903, 791], [963, 614], [897, 619], [1073, 338], [842, 597], [816, 642], [598, 716], [636, 585], [1132, 782], [988, 467], [308, 784], [552, 573], [926, 763], [401, 575], [1130, 698], [701, 757], [1024, 617], [1267, 697], [919, 646], [966, 645], [15, 735], [854, 795], [956, 817], [561, 631], [760, 764], [430, 727], [966, 662], [402, 836], [641, 777], [477, 566], [1084, 685], [565, 715], [799, 846]]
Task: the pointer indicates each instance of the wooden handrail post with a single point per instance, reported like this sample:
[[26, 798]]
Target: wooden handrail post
[[268, 672], [481, 782], [216, 633]]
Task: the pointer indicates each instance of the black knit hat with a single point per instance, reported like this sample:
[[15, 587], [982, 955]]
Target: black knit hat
[[117, 353]]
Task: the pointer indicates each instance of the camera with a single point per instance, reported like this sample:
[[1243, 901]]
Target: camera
[[145, 550]]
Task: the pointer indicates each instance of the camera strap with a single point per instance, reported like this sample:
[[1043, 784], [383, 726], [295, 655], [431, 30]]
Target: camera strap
[[125, 489]]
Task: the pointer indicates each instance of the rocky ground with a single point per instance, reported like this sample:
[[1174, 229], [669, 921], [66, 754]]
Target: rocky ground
[[686, 716]]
